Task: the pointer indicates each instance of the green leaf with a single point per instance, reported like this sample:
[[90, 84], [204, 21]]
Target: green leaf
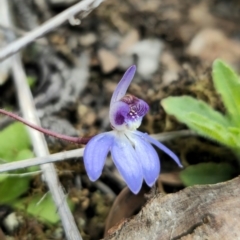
[[13, 139], [31, 80], [43, 209], [227, 84], [12, 188], [24, 154], [207, 173], [213, 130], [202, 118], [180, 106], [234, 130], [3, 177]]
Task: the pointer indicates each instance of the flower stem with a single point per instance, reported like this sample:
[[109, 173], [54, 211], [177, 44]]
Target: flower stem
[[76, 140]]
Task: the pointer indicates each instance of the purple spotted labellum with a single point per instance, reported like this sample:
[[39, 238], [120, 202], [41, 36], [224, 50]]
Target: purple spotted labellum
[[131, 150]]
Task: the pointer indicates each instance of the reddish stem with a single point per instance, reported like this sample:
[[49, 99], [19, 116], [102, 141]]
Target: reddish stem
[[46, 131]]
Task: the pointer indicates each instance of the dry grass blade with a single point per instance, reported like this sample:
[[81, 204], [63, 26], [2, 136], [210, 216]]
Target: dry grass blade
[[77, 153], [84, 7], [41, 150]]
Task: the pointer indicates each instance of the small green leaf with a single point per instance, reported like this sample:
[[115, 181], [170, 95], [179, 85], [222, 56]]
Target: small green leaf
[[42, 209], [201, 118], [207, 173], [180, 106], [31, 80], [13, 139], [3, 177], [12, 188], [235, 131], [227, 83], [213, 130], [24, 154]]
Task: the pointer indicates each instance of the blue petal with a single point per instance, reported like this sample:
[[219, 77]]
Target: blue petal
[[123, 85], [160, 145], [125, 160], [117, 114], [148, 158], [95, 154]]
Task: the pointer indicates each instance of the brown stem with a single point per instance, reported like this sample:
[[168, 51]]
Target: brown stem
[[46, 131]]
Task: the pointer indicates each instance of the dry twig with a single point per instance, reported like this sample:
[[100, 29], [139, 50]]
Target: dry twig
[[41, 150], [84, 7], [77, 153]]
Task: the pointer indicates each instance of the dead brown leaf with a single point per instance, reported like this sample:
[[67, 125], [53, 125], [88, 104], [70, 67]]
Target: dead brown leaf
[[124, 206]]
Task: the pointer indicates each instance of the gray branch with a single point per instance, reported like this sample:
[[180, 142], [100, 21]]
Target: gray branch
[[77, 153], [84, 7], [41, 150]]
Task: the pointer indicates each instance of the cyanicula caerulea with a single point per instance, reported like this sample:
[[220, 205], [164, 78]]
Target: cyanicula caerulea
[[131, 150]]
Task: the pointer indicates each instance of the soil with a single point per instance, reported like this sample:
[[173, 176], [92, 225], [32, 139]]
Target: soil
[[76, 69]]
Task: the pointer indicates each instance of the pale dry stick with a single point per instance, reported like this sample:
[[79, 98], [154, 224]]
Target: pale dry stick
[[12, 30], [166, 136], [20, 33], [22, 175], [85, 7], [56, 157], [41, 150]]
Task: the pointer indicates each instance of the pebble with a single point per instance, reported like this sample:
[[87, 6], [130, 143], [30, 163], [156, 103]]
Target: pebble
[[128, 41], [87, 39], [210, 44], [108, 60], [148, 52]]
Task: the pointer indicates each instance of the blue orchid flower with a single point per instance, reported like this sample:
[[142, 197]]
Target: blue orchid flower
[[131, 150]]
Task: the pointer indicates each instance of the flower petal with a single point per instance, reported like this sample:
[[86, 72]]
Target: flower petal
[[125, 160], [95, 154], [160, 145], [123, 85], [148, 157], [117, 114]]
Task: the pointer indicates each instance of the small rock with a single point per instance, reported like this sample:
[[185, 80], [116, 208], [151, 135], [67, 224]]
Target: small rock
[[210, 44], [110, 39], [86, 115], [87, 39], [12, 222], [125, 61], [82, 110], [148, 52], [108, 60], [171, 67], [128, 41]]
